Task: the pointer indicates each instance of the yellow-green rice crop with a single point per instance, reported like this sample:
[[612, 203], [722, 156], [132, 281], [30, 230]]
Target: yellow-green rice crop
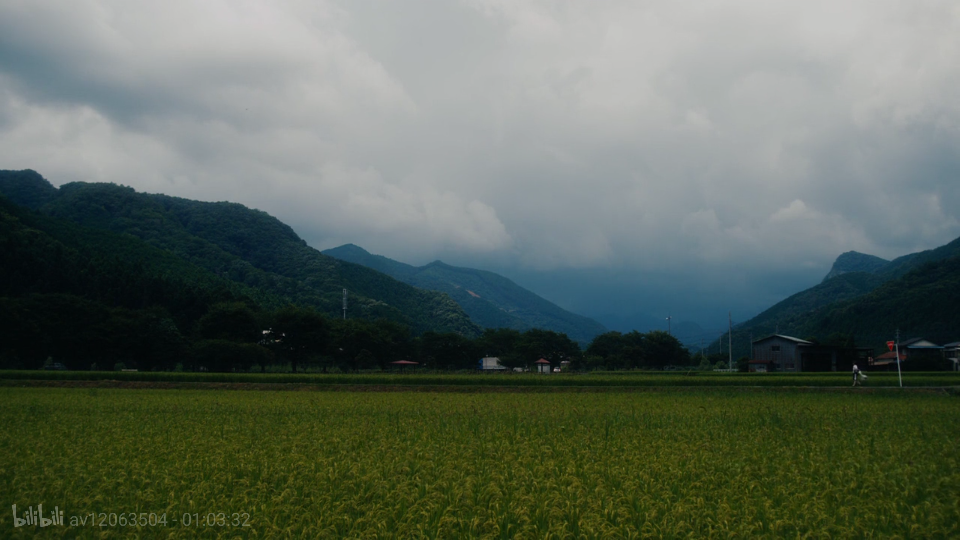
[[565, 465]]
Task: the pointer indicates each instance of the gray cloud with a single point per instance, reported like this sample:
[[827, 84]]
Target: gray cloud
[[723, 141]]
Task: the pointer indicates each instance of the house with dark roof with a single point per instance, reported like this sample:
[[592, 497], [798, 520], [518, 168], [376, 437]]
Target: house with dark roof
[[778, 353], [915, 353], [792, 355], [919, 344]]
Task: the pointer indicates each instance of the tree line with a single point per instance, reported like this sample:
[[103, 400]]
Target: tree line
[[239, 336]]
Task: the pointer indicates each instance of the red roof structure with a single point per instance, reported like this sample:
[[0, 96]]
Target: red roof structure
[[891, 356], [542, 361]]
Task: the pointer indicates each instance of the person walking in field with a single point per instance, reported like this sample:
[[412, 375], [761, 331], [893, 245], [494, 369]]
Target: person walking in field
[[856, 375]]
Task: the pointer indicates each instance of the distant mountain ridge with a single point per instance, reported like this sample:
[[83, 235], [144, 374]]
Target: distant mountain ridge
[[870, 298], [491, 300], [247, 247]]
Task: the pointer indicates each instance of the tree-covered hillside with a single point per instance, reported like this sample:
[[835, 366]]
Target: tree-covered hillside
[[86, 296], [921, 303], [246, 247], [26, 188], [853, 261], [907, 263], [917, 294], [491, 300]]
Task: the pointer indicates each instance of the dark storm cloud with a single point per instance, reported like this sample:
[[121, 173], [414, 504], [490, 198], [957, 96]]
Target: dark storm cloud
[[716, 142]]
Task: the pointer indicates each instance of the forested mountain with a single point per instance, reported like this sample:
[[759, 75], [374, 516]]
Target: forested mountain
[[26, 188], [853, 261], [85, 296], [255, 252], [907, 263], [917, 293], [491, 300], [921, 303]]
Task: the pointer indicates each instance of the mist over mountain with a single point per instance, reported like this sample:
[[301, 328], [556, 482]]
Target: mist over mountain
[[491, 300]]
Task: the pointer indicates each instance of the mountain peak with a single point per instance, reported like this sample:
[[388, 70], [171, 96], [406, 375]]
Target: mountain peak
[[26, 188], [853, 261], [348, 248]]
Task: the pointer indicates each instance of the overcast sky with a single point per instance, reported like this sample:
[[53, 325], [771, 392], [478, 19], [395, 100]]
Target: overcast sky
[[619, 156]]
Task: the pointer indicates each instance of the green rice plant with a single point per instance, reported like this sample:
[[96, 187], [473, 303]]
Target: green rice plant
[[710, 463]]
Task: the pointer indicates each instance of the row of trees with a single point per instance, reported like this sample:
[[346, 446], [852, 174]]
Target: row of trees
[[303, 338], [635, 350], [239, 336]]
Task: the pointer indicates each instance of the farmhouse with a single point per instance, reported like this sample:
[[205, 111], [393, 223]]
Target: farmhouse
[[778, 353], [914, 351], [918, 346], [790, 354]]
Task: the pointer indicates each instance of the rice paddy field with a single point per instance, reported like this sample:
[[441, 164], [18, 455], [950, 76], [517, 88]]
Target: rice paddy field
[[710, 462]]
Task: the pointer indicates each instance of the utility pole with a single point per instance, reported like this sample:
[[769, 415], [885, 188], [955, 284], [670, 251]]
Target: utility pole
[[730, 339], [751, 345], [344, 304], [669, 330], [899, 376]]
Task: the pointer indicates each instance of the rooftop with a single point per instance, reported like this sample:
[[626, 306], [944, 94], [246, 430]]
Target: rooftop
[[788, 338]]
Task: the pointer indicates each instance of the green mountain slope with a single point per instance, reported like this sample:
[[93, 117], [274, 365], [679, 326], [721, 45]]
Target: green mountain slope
[[793, 311], [87, 296], [491, 300], [911, 292], [923, 302], [853, 261], [26, 188], [247, 247], [907, 263]]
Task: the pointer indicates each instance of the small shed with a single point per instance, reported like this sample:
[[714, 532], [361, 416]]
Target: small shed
[[490, 363], [543, 365]]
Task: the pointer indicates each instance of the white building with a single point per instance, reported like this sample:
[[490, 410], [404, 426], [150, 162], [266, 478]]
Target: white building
[[490, 363]]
